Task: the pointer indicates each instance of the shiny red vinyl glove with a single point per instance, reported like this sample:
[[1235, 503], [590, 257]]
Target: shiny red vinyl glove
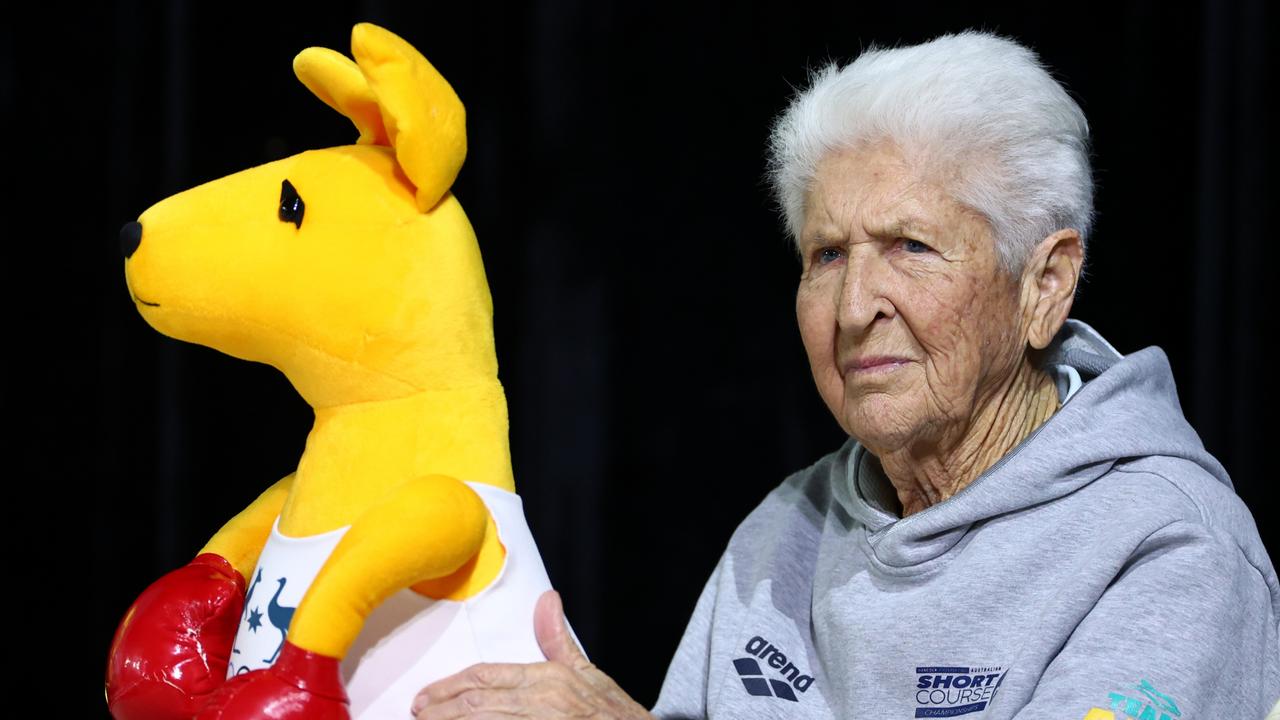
[[171, 650], [301, 685]]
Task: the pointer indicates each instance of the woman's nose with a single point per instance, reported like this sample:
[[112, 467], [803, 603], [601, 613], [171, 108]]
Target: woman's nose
[[862, 299]]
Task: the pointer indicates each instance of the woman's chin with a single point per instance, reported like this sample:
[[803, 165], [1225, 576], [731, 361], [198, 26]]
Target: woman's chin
[[878, 436], [879, 421]]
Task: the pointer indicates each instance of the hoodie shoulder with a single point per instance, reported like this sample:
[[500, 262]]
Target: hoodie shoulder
[[1198, 493], [1195, 496]]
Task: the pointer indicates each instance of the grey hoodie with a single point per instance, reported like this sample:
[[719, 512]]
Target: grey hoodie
[[1104, 568]]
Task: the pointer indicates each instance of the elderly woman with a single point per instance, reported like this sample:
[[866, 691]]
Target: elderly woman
[[1022, 523]]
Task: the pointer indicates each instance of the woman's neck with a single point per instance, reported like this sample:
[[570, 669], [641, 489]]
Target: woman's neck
[[930, 471]]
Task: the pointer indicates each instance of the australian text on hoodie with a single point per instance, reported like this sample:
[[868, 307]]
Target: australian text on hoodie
[[1104, 568]]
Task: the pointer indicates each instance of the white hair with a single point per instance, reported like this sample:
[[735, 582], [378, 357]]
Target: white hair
[[1014, 145]]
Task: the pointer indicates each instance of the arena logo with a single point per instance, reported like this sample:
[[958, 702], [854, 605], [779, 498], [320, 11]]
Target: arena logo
[[753, 679], [949, 691]]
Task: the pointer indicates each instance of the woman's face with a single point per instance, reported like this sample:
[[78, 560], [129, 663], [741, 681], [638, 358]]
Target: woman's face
[[906, 316]]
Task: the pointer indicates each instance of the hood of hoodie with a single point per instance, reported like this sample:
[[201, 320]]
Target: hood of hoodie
[[1127, 408]]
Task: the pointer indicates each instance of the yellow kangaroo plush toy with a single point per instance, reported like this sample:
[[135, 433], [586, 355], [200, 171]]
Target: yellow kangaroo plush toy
[[397, 553]]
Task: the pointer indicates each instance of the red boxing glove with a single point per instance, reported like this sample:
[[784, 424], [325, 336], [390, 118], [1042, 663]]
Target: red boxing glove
[[301, 685], [170, 651]]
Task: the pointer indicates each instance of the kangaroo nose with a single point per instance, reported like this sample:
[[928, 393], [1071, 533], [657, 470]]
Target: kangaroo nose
[[130, 238]]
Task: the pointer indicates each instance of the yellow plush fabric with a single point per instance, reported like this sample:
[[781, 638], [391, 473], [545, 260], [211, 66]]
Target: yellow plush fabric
[[336, 80], [244, 535], [423, 117], [355, 272], [431, 512]]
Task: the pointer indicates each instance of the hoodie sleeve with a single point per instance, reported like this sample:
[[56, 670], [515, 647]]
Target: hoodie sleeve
[[1187, 630], [684, 691]]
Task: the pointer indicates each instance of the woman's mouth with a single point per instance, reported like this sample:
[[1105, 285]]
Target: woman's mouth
[[874, 365]]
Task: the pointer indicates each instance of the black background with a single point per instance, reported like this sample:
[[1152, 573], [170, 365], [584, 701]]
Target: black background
[[643, 288]]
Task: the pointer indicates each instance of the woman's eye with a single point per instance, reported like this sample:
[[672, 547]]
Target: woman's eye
[[829, 255], [915, 246]]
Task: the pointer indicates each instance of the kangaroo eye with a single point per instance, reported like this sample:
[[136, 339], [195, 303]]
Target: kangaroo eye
[[291, 205]]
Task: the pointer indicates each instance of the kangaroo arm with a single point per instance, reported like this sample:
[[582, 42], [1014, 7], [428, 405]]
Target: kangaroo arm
[[428, 528], [240, 541]]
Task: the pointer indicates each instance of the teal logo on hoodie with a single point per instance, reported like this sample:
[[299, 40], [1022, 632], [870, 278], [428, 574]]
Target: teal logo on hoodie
[[1145, 703]]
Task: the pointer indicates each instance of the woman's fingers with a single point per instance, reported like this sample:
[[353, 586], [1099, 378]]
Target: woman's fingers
[[485, 676], [552, 632], [494, 687], [542, 690], [476, 703], [568, 686]]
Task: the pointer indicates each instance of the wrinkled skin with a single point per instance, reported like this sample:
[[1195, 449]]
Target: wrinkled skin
[[898, 274], [566, 686]]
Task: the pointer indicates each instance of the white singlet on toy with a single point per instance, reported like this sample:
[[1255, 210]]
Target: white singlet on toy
[[409, 641]]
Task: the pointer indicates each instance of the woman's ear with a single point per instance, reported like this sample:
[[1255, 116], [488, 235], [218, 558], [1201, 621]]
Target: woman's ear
[[1050, 279]]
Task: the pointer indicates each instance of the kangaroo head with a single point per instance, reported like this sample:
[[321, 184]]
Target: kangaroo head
[[352, 269]]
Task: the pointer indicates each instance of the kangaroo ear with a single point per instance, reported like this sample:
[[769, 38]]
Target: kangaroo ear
[[337, 81], [424, 119]]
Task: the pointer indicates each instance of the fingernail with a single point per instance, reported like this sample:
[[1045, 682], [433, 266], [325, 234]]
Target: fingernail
[[418, 703]]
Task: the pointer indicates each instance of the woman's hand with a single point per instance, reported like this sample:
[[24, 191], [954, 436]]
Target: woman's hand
[[566, 686]]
